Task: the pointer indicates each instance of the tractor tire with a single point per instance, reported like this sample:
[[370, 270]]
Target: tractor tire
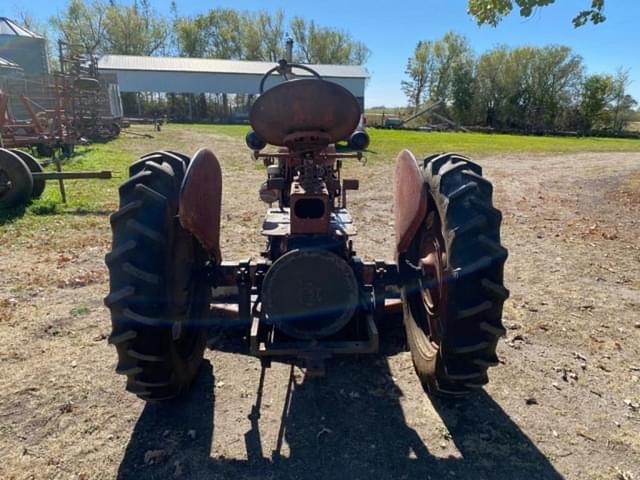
[[453, 310], [16, 181], [34, 167], [157, 304], [176, 160]]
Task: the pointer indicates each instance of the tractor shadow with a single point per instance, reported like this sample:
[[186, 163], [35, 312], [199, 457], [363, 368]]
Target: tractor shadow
[[326, 433]]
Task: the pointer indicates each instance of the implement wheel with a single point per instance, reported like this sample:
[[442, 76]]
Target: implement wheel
[[16, 181], [158, 305], [34, 167], [453, 309]]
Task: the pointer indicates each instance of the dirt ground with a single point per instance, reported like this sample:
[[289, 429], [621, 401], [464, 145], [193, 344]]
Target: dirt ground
[[564, 403]]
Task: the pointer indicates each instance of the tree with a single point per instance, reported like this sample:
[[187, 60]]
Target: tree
[[491, 12], [491, 87], [419, 69], [452, 54], [462, 91], [622, 103], [557, 79], [527, 88], [440, 71], [83, 25], [134, 29], [112, 28], [316, 44], [596, 92], [190, 37], [271, 32]]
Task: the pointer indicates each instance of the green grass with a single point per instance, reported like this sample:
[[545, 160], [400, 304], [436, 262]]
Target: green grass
[[90, 201], [387, 143]]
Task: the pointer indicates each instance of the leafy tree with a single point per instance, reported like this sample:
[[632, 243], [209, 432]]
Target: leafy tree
[[491, 12], [420, 70], [462, 91], [440, 71], [223, 33], [596, 92], [557, 78], [112, 28], [134, 29], [316, 44], [451, 54], [491, 87], [271, 31], [82, 24], [527, 88], [190, 37]]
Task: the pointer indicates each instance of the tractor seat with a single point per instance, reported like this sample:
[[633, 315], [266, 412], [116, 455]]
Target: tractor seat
[[305, 105]]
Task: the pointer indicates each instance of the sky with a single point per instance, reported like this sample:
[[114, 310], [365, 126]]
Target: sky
[[391, 30]]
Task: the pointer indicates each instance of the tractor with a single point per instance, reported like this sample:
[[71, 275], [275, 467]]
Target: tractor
[[309, 297]]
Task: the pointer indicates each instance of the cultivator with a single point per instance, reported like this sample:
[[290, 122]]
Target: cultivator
[[61, 109], [310, 297], [92, 99], [53, 113]]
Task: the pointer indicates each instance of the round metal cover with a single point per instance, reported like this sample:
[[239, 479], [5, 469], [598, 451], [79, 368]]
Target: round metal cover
[[305, 105], [309, 293]]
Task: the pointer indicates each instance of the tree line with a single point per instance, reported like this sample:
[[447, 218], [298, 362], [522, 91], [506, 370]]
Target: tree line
[[100, 27], [534, 89], [137, 29]]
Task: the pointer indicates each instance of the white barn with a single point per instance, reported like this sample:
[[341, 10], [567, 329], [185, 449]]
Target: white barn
[[211, 75]]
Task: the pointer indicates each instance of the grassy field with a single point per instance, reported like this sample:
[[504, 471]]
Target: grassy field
[[385, 144], [99, 196]]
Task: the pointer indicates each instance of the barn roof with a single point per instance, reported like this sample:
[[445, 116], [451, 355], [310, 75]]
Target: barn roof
[[216, 65], [4, 63], [9, 27]]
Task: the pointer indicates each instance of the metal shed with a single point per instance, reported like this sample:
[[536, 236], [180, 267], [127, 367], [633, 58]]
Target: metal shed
[[211, 75], [23, 47], [7, 67]]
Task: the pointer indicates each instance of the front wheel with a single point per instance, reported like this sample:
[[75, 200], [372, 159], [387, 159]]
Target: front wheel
[[158, 305], [453, 308]]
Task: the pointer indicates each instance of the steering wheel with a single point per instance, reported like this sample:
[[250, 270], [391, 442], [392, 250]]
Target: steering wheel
[[285, 67]]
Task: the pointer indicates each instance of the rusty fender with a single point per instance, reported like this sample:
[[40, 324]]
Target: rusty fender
[[200, 201], [409, 200]]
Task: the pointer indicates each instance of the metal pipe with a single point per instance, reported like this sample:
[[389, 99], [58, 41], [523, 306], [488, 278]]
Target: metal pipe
[[289, 49], [105, 174]]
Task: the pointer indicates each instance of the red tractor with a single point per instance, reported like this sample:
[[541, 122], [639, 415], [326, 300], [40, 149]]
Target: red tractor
[[310, 297]]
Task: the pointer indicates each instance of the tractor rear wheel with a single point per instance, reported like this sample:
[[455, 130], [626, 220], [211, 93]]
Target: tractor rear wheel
[[453, 309], [16, 181], [158, 305]]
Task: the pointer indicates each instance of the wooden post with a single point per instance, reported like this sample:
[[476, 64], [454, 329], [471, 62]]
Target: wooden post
[[58, 162]]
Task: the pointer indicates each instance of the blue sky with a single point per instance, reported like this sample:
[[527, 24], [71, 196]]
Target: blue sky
[[392, 29]]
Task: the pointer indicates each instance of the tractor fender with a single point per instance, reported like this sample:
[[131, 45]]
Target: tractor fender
[[409, 200], [200, 201]]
